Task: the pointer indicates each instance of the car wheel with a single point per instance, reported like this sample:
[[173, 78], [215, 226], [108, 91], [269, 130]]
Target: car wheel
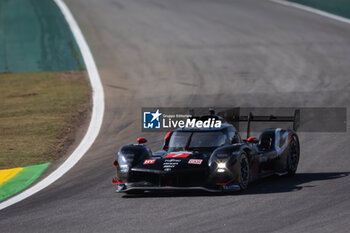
[[244, 172], [293, 156]]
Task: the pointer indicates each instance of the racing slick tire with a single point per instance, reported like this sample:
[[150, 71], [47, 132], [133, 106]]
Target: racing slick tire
[[293, 156], [244, 174]]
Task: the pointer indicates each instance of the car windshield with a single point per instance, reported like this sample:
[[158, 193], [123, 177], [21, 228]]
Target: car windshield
[[191, 140]]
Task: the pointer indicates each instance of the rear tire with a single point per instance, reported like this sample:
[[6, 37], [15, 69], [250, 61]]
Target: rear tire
[[244, 174], [293, 155]]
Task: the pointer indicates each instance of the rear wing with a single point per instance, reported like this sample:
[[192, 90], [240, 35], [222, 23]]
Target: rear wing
[[271, 118]]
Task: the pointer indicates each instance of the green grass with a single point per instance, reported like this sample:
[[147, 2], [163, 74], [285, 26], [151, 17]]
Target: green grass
[[38, 115], [338, 7]]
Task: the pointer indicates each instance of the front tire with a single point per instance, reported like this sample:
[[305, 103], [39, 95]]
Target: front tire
[[293, 156], [244, 172]]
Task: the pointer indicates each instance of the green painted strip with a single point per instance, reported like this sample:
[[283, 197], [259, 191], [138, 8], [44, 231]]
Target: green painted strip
[[22, 180], [34, 36], [337, 7]]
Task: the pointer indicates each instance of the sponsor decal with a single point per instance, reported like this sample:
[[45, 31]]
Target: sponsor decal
[[170, 163], [192, 123], [232, 187], [172, 160], [165, 119], [149, 161], [195, 161], [156, 118], [151, 120], [178, 155]]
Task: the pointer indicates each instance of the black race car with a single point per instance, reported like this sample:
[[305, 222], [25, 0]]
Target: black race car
[[211, 159]]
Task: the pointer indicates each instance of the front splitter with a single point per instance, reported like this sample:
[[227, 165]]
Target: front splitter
[[126, 189]]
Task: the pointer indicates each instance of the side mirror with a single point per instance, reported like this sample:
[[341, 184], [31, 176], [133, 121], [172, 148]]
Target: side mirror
[[141, 140], [253, 140]]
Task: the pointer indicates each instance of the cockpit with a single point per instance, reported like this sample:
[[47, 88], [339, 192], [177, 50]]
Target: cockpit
[[186, 140]]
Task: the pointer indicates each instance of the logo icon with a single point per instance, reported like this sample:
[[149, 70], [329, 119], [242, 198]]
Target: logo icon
[[149, 161], [151, 120], [195, 161]]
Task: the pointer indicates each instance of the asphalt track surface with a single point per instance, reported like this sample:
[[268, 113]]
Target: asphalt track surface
[[201, 53]]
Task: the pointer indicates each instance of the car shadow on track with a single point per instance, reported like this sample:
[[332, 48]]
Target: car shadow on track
[[273, 184]]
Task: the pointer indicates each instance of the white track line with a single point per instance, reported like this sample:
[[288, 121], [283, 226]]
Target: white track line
[[312, 10], [96, 117]]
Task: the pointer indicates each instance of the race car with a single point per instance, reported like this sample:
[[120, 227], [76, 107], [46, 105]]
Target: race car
[[213, 159]]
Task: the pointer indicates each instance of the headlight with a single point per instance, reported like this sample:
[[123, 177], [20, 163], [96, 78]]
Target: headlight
[[125, 158], [221, 165], [125, 161]]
